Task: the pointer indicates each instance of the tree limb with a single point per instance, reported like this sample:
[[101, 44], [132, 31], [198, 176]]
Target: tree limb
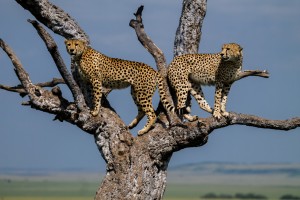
[[20, 89], [54, 18], [195, 134], [158, 55], [52, 48], [145, 40], [19, 70], [246, 73], [258, 122], [40, 98]]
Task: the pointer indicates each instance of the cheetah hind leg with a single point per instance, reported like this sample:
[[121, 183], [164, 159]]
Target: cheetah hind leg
[[151, 120], [137, 119], [140, 114], [182, 93], [187, 114]]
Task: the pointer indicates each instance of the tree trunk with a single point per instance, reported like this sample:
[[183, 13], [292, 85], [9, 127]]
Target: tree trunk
[[137, 176], [188, 33]]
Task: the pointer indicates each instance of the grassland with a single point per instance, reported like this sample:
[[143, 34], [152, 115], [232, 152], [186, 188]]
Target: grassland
[[52, 190], [187, 183]]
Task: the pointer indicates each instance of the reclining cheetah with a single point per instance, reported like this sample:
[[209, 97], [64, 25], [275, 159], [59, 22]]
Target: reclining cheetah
[[100, 70], [187, 72]]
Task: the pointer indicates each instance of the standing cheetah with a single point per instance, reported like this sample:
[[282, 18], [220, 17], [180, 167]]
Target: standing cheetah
[[187, 72], [102, 71]]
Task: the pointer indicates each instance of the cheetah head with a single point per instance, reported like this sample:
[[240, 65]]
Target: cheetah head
[[75, 47], [231, 52]]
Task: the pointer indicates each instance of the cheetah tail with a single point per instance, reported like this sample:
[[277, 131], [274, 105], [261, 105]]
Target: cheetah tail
[[163, 96]]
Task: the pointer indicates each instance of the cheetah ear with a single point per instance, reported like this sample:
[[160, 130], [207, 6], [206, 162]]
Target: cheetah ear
[[241, 48], [66, 41], [85, 43]]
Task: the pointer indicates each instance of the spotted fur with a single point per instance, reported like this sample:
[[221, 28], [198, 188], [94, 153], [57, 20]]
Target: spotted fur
[[102, 71], [188, 72]]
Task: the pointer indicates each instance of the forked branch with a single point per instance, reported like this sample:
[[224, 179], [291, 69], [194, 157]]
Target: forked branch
[[39, 98], [52, 48], [20, 72]]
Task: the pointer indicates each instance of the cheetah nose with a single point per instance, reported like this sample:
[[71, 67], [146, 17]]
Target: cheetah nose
[[222, 54], [71, 50]]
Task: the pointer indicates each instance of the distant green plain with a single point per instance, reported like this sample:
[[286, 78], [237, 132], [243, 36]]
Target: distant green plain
[[82, 190], [188, 182]]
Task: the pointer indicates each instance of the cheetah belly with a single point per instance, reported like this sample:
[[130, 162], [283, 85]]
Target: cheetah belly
[[202, 78], [116, 84]]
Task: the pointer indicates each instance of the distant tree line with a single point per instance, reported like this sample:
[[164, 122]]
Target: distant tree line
[[212, 195], [236, 196], [289, 197]]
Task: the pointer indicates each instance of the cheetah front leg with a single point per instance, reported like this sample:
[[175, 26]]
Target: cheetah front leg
[[218, 97], [97, 95], [225, 92]]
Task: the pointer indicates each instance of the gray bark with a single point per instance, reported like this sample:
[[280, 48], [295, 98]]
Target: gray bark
[[188, 33], [136, 166]]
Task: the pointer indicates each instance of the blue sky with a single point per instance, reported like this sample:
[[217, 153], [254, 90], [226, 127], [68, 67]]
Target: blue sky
[[269, 32]]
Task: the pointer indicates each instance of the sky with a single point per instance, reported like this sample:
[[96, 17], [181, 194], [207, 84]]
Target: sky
[[269, 32]]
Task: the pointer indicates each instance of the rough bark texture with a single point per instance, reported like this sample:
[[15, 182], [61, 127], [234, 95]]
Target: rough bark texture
[[136, 166], [188, 33], [54, 18]]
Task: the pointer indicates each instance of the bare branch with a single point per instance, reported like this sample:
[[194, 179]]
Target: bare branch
[[20, 89], [157, 54], [20, 72], [246, 73], [259, 122], [52, 48], [195, 134], [41, 99], [54, 18]]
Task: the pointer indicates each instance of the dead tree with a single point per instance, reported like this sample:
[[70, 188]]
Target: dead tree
[[136, 166]]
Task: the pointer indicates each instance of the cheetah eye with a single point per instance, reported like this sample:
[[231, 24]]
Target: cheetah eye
[[69, 44], [76, 44], [227, 48]]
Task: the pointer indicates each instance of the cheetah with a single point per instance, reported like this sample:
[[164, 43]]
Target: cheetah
[[188, 72], [101, 71]]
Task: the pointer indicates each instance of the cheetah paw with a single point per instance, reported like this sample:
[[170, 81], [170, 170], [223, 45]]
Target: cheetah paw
[[141, 132], [225, 114], [190, 118], [132, 124], [94, 113], [217, 115]]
